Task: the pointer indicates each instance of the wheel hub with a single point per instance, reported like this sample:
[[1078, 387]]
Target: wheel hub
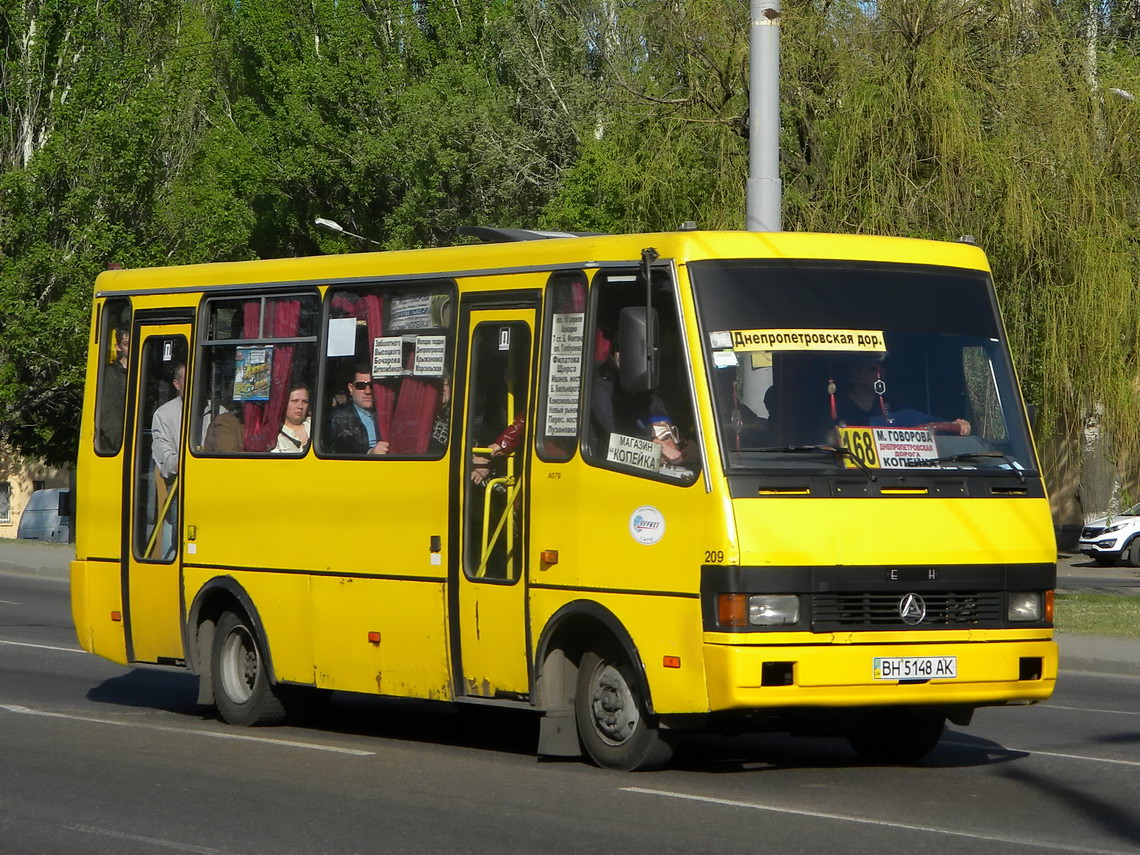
[[615, 712]]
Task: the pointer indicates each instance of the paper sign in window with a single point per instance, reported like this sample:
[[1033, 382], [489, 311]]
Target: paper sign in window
[[430, 353], [388, 356], [564, 386], [342, 337]]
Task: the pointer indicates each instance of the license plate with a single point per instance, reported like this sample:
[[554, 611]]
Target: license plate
[[916, 667]]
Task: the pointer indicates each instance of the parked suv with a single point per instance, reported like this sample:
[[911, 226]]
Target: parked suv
[[1113, 538]]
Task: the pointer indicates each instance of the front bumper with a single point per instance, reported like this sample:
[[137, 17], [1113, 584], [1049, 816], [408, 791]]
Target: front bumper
[[1109, 548], [990, 672]]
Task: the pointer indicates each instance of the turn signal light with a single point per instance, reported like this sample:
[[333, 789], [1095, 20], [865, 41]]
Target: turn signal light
[[373, 638], [732, 609], [671, 661], [1049, 606], [116, 616]]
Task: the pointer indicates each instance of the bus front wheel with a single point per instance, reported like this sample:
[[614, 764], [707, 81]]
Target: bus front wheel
[[242, 689], [613, 725], [896, 735]]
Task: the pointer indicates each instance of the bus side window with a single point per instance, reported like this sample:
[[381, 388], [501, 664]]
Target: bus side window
[[258, 354], [562, 370], [386, 380], [644, 431], [114, 354]]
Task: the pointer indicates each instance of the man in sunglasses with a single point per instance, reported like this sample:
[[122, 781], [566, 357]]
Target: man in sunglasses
[[352, 425]]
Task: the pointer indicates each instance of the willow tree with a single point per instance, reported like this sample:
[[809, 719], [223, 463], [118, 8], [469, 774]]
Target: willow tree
[[923, 118], [948, 118]]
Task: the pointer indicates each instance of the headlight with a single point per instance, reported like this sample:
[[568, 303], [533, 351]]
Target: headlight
[[773, 610], [1024, 606], [1113, 528], [740, 610]]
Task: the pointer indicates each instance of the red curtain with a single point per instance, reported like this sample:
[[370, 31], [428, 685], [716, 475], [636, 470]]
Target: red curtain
[[383, 391], [572, 297], [414, 415], [262, 421]]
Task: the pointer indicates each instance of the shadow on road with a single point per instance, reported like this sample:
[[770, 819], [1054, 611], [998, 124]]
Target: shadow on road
[[773, 751], [516, 731], [173, 691]]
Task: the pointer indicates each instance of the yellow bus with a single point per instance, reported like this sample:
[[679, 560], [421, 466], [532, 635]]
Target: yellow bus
[[641, 485]]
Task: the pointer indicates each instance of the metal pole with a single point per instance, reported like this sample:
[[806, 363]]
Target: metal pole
[[764, 187]]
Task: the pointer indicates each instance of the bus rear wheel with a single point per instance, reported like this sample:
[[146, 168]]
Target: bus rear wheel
[[896, 735], [613, 725], [242, 689]]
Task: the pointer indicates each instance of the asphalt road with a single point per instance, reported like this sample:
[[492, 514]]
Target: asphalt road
[[97, 758]]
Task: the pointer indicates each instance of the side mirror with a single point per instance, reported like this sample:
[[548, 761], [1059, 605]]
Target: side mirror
[[636, 328], [64, 503], [1031, 414]]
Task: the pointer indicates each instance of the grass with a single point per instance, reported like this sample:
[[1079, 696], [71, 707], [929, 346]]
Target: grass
[[1098, 614]]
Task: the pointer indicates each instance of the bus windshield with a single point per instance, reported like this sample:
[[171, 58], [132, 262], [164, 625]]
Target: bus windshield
[[900, 367]]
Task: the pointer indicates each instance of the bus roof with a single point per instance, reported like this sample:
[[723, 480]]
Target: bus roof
[[585, 252]]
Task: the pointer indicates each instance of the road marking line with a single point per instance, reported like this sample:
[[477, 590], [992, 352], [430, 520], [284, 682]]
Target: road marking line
[[1087, 709], [15, 708], [169, 844], [1041, 844], [44, 646], [1077, 757], [1008, 750], [10, 603]]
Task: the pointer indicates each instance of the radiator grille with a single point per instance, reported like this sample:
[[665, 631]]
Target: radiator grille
[[859, 610]]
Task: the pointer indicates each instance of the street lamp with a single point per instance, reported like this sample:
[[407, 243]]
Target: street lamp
[[337, 229]]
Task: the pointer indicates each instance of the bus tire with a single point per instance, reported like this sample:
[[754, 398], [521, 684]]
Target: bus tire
[[613, 726], [242, 691], [896, 735]]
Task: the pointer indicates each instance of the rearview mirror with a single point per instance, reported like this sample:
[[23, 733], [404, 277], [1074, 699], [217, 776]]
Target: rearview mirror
[[639, 371]]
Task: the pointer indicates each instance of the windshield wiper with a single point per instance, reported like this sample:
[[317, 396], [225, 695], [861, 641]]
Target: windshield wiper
[[838, 451], [966, 455]]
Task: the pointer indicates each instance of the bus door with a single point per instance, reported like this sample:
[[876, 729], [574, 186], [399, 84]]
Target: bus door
[[489, 616], [153, 506]]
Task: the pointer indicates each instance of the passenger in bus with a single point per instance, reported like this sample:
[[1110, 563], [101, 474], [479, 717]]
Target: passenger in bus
[[352, 426], [225, 433], [166, 429], [641, 414], [293, 437], [114, 394], [166, 436], [860, 399], [504, 444]]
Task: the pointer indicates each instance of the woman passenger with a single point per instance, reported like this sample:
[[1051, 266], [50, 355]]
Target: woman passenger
[[293, 438]]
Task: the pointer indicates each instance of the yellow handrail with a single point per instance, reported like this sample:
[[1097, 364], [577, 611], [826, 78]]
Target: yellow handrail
[[162, 516], [513, 486], [506, 518]]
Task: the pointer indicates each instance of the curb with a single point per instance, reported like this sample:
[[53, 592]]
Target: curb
[[55, 574], [1081, 665]]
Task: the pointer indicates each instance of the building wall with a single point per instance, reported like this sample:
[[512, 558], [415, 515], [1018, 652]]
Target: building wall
[[19, 475]]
